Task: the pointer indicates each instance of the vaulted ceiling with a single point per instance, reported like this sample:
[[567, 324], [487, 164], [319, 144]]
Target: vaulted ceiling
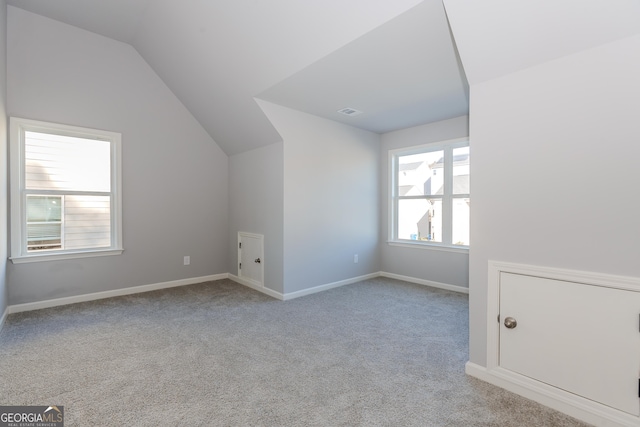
[[393, 60], [499, 37]]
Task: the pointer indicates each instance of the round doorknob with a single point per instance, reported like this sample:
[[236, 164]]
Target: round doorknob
[[510, 323]]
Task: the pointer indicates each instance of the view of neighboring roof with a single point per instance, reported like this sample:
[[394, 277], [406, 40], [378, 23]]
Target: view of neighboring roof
[[460, 185], [404, 189], [409, 166], [457, 158]]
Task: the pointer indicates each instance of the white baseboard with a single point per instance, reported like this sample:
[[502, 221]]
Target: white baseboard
[[325, 287], [555, 398], [17, 308], [316, 289], [264, 290], [298, 294], [429, 283]]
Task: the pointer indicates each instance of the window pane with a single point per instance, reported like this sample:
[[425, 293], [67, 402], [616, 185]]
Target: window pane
[[44, 208], [54, 162], [44, 222], [420, 174], [420, 219], [460, 221], [42, 236], [461, 170], [87, 222]]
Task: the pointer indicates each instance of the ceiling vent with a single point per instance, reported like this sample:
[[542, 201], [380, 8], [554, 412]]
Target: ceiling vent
[[349, 112]]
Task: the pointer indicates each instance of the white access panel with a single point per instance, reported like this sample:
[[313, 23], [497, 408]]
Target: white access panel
[[251, 257], [581, 338]]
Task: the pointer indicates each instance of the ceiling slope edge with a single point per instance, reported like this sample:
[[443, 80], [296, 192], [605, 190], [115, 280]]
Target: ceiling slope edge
[[216, 67], [499, 37], [404, 73]]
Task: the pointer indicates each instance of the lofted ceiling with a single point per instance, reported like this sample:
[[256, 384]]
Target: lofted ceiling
[[499, 37], [393, 60], [401, 74]]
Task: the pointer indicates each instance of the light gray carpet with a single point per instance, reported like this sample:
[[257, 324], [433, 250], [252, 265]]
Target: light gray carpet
[[376, 353]]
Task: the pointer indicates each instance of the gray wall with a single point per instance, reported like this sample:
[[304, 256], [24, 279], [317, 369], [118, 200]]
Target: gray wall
[[555, 170], [256, 185], [331, 201], [4, 232], [175, 196], [431, 264], [316, 197]]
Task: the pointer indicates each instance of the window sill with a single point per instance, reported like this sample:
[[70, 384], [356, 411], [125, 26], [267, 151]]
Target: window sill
[[430, 246], [65, 255]]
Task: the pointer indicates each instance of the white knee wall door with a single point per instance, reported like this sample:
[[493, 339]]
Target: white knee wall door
[[581, 338], [568, 339], [251, 258]]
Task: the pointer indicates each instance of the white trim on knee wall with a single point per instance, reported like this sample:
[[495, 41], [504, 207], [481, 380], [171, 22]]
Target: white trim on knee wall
[[430, 283], [325, 287], [17, 308]]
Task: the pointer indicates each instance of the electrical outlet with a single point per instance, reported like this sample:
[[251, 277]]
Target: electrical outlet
[[355, 259], [187, 260]]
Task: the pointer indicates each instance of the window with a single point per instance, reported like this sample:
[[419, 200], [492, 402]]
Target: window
[[430, 194], [44, 222], [65, 191]]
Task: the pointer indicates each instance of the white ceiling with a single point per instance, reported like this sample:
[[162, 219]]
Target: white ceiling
[[401, 74], [394, 60], [116, 19], [498, 37]]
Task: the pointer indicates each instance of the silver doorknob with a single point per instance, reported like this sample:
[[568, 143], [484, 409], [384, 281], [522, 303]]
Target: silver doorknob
[[510, 323]]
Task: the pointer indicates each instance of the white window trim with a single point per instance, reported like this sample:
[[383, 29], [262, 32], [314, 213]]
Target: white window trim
[[17, 128], [428, 246], [391, 196]]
